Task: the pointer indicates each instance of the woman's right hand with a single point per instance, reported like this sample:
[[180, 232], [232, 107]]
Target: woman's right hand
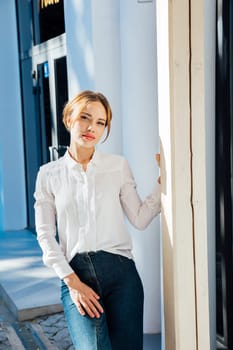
[[84, 297]]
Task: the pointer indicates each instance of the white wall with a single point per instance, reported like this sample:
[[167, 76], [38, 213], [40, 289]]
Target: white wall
[[12, 176], [107, 57], [80, 60], [141, 139], [93, 56]]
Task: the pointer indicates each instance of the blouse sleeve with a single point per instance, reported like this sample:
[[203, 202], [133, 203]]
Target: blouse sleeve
[[45, 217], [140, 213]]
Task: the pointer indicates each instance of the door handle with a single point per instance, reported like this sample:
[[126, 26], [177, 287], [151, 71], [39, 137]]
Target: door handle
[[57, 152]]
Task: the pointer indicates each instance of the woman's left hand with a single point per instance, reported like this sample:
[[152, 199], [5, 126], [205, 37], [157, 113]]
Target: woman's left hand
[[157, 157]]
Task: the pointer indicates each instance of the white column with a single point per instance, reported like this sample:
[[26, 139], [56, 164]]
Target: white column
[[182, 107], [93, 56], [140, 138], [202, 104], [209, 46], [107, 62], [174, 123], [12, 176], [80, 60]]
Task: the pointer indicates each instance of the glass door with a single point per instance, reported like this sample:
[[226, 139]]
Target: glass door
[[51, 93], [61, 90], [42, 53]]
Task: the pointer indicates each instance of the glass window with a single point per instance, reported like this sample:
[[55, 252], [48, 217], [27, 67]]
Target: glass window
[[61, 98], [48, 18]]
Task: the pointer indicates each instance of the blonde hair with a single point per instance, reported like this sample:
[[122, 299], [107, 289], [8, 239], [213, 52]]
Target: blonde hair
[[81, 100]]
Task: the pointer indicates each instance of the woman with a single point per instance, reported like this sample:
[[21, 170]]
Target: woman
[[83, 196]]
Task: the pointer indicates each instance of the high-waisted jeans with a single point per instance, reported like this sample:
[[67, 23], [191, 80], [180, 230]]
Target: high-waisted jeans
[[115, 279]]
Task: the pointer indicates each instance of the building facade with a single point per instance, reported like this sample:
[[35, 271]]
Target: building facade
[[51, 51], [158, 65]]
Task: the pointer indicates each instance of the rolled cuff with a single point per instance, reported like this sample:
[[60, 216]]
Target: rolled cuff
[[62, 269]]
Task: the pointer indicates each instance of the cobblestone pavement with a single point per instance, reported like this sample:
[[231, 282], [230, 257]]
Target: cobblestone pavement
[[55, 329], [4, 341], [47, 333], [43, 333]]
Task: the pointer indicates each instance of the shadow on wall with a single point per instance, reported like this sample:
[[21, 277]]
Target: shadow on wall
[[163, 170], [167, 265]]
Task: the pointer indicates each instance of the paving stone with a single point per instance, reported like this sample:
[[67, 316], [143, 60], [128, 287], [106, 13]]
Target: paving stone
[[45, 340], [3, 336], [49, 330], [55, 329], [71, 347], [49, 321], [5, 347], [64, 345], [14, 340], [61, 323], [61, 335], [4, 341]]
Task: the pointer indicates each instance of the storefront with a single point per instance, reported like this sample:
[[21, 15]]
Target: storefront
[[44, 85]]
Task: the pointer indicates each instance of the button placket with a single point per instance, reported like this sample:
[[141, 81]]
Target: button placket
[[81, 206], [91, 211]]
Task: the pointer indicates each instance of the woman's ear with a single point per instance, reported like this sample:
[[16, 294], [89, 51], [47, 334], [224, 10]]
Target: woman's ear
[[68, 122]]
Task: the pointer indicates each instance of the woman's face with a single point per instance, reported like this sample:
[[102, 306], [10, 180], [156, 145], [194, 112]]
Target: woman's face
[[87, 128]]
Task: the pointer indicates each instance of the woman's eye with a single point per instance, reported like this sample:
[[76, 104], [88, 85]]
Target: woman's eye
[[84, 117], [101, 123]]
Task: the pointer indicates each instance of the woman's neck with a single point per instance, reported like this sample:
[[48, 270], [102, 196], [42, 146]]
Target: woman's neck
[[81, 155]]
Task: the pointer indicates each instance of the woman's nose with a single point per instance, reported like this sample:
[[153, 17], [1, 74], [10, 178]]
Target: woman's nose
[[90, 127]]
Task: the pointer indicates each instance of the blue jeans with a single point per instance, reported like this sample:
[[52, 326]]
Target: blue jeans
[[115, 279]]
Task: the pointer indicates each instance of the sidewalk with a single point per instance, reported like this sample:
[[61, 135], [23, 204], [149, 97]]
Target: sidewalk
[[31, 316], [27, 287], [49, 333]]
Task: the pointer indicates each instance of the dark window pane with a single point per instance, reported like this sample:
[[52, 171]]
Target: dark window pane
[[44, 110], [61, 98], [48, 19]]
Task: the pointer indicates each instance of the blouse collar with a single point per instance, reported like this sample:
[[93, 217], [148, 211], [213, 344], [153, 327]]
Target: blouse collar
[[73, 163]]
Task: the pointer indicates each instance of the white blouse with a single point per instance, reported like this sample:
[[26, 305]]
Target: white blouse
[[78, 211]]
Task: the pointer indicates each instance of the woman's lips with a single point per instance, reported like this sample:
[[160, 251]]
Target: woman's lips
[[88, 137]]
